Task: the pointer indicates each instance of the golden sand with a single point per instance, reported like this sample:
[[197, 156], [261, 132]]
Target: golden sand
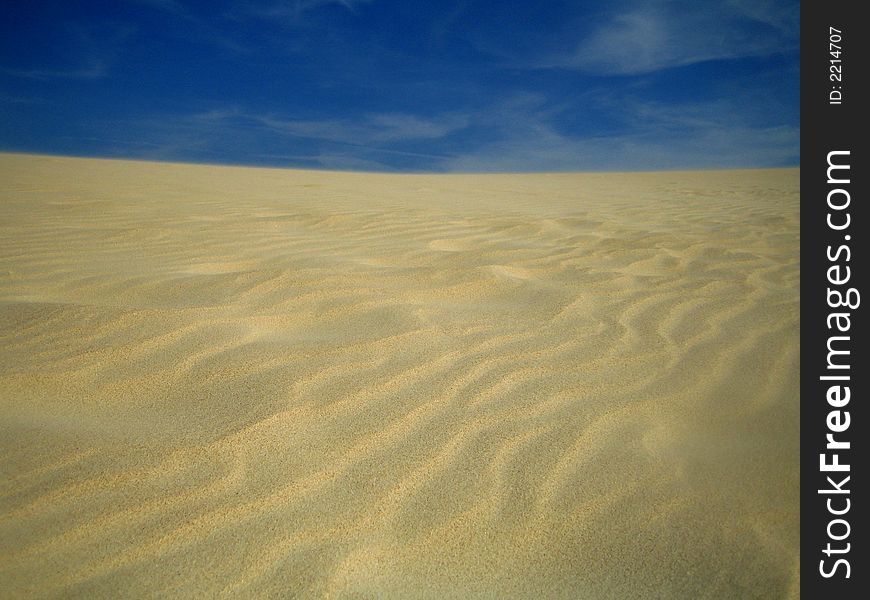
[[228, 382]]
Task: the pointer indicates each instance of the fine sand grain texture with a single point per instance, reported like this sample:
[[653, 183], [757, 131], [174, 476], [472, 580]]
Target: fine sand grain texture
[[255, 383]]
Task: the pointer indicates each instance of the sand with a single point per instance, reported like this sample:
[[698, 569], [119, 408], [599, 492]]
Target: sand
[[264, 383]]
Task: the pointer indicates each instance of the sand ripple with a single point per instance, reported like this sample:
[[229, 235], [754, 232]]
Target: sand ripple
[[221, 382]]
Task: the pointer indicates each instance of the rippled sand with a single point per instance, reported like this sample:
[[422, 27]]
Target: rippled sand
[[275, 384]]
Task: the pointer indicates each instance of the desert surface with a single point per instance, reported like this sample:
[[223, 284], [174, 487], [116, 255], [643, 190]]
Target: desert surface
[[264, 383]]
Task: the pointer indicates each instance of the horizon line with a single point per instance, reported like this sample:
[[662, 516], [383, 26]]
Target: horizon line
[[384, 172]]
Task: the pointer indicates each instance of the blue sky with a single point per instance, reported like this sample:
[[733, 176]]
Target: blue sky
[[393, 85]]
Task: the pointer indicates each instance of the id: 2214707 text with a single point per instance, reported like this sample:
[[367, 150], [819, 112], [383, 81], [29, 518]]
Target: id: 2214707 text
[[835, 70]]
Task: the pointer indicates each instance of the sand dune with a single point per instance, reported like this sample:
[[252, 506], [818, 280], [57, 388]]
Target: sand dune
[[227, 382]]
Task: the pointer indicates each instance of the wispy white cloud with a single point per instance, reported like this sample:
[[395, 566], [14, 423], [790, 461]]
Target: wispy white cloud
[[653, 136], [784, 16], [377, 128], [367, 130], [371, 142], [522, 133], [652, 36], [551, 151], [519, 133]]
